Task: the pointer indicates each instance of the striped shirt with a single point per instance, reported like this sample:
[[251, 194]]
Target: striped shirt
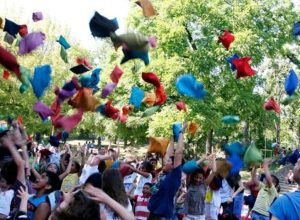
[[141, 210], [265, 197]]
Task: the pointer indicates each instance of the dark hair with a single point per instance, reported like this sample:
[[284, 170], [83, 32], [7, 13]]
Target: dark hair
[[77, 165], [112, 184], [148, 184], [95, 179], [148, 166], [53, 181], [198, 171], [112, 150], [153, 159], [233, 180], [9, 172], [216, 183], [275, 180], [57, 167], [101, 166], [81, 208]]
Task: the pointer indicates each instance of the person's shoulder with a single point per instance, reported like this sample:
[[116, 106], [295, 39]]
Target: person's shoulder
[[293, 195]]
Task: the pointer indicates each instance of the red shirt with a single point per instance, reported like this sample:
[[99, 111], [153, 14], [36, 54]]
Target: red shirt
[[141, 210]]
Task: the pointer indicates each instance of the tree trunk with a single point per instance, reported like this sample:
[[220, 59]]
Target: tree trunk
[[277, 127], [298, 135], [190, 39], [246, 138], [99, 141], [209, 139], [125, 142]]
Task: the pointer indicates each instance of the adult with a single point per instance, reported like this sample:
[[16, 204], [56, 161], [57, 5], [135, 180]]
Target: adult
[[288, 205], [161, 204]]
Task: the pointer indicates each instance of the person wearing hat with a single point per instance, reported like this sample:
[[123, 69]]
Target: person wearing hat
[[287, 207], [161, 204]]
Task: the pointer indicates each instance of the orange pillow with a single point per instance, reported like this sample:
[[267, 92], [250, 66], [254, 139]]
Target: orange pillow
[[158, 145], [84, 99], [147, 7], [193, 128], [149, 99]]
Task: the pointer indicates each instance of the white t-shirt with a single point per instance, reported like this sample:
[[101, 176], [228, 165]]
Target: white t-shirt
[[110, 213], [5, 200], [55, 157], [128, 181], [86, 172], [225, 191], [141, 182]]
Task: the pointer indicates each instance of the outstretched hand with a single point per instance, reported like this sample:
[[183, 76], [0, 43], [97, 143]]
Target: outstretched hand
[[18, 134], [23, 193], [267, 162]]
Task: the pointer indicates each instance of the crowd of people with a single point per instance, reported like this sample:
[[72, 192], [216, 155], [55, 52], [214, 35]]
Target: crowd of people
[[64, 183]]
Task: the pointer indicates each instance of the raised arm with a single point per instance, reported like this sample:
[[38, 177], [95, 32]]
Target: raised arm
[[25, 150], [240, 189], [8, 142], [268, 177], [212, 174], [101, 197], [144, 174], [68, 170], [33, 170], [82, 154], [170, 150], [180, 147]]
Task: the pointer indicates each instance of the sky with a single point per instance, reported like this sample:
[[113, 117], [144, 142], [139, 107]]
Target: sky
[[75, 14]]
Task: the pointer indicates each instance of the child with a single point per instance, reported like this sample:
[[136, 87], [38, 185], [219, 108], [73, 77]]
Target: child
[[194, 201], [72, 173], [37, 204], [253, 186], [6, 195], [141, 202], [266, 195], [289, 177]]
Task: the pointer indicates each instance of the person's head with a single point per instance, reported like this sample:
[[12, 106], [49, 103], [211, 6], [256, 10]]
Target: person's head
[[77, 206], [52, 167], [275, 181], [66, 159], [9, 172], [168, 164], [95, 180], [112, 184], [101, 166], [102, 151], [3, 183], [147, 189], [153, 161], [197, 177], [75, 167], [48, 181], [296, 172], [111, 151], [146, 166]]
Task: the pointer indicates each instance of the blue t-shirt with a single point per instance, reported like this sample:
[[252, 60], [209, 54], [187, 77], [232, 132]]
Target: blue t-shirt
[[162, 202], [287, 206]]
